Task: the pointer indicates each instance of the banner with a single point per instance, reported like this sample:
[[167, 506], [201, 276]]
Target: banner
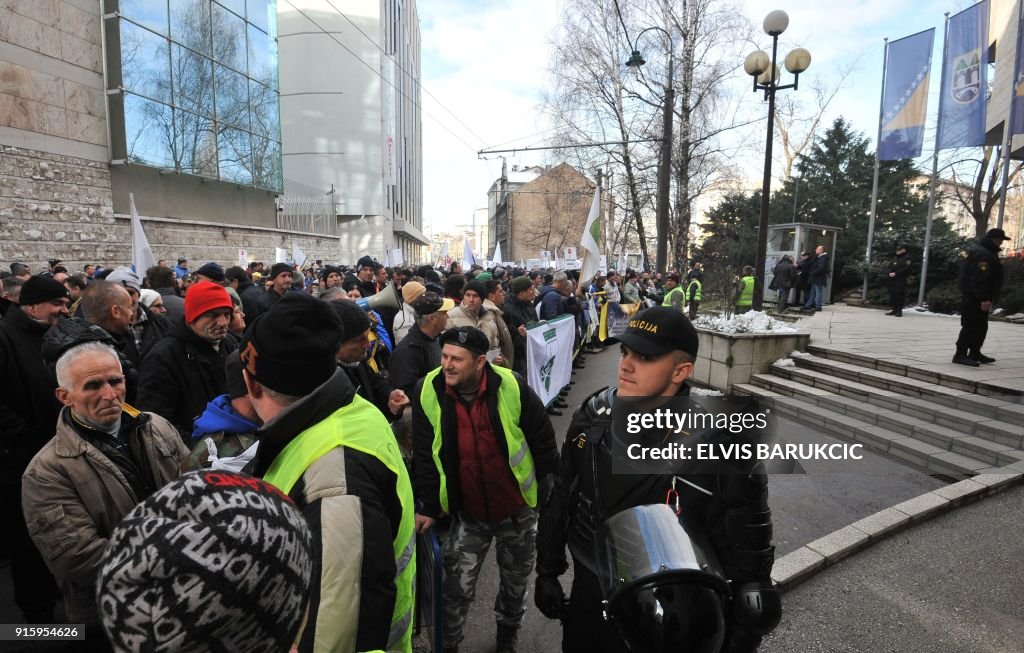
[[243, 258], [298, 256], [497, 254], [590, 239], [1018, 85], [142, 254], [905, 96], [549, 356], [468, 258], [965, 79], [280, 255]]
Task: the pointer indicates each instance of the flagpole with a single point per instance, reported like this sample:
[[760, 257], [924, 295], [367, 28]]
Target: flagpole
[[874, 182], [1009, 124], [935, 173]]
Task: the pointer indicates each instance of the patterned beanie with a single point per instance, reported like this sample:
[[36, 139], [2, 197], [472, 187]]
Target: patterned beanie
[[214, 561]]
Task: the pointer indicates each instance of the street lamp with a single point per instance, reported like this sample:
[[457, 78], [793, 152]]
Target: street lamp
[[665, 164], [766, 74]]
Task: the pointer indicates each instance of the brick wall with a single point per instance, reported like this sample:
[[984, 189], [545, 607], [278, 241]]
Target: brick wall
[[60, 206]]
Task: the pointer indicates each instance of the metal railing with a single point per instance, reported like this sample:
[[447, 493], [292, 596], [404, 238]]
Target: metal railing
[[307, 209]]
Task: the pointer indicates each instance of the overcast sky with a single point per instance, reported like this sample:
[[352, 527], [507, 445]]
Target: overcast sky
[[485, 62]]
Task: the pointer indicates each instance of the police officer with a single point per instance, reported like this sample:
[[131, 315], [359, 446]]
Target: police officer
[[899, 270], [981, 277], [658, 349]]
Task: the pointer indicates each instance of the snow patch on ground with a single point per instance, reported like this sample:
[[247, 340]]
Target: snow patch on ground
[[749, 322], [920, 310], [706, 392], [786, 362], [800, 354]]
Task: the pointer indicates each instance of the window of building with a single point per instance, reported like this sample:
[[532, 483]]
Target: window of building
[[197, 87]]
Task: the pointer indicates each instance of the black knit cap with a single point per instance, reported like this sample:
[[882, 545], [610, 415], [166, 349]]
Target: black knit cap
[[39, 289], [212, 270], [354, 320], [278, 268], [479, 287], [213, 561], [366, 262], [292, 348], [466, 337]]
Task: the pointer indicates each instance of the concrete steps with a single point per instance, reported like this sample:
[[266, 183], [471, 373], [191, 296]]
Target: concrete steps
[[912, 414]]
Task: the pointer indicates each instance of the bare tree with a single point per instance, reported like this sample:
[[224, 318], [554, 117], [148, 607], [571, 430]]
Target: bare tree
[[977, 184], [591, 95]]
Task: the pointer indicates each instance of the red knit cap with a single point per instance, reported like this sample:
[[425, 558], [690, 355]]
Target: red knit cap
[[203, 297]]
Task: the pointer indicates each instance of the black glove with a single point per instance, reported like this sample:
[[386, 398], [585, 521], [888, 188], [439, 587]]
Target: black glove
[[549, 597]]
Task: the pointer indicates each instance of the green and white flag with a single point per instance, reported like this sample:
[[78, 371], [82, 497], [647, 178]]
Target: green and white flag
[[549, 356]]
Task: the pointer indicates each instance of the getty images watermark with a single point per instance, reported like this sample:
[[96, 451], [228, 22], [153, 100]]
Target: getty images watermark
[[701, 435]]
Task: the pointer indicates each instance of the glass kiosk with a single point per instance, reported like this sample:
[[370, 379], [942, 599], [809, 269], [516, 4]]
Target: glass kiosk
[[792, 238]]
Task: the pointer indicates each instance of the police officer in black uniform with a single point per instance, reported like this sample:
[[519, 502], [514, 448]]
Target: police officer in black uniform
[[981, 277], [899, 270], [658, 349]]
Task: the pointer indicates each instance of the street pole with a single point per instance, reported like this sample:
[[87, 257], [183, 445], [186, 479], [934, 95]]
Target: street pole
[[664, 174], [766, 186], [760, 66]]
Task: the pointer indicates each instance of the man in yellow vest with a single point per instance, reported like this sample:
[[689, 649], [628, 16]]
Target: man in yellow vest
[[674, 297], [483, 449], [334, 454], [745, 290], [693, 289]]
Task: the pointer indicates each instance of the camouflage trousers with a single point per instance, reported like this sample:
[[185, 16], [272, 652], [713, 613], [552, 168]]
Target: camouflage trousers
[[464, 555]]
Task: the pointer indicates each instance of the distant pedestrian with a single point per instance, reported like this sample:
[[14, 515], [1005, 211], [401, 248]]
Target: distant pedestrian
[[783, 278], [818, 278], [899, 269], [802, 268], [981, 278], [693, 292]]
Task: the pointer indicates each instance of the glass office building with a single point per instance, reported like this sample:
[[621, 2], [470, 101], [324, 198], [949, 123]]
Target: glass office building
[[193, 88]]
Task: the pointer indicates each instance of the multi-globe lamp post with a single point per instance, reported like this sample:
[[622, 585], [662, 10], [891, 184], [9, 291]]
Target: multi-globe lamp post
[[766, 74], [665, 160]]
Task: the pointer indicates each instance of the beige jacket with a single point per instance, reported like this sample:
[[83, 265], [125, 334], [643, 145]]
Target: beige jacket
[[73, 496], [490, 322]]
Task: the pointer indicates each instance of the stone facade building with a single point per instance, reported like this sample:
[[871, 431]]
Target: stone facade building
[[173, 102], [539, 209]]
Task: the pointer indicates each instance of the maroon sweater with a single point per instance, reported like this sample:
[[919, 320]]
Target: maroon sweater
[[489, 489]]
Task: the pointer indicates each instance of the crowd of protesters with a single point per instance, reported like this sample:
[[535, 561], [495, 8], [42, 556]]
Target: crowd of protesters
[[372, 420], [120, 381]]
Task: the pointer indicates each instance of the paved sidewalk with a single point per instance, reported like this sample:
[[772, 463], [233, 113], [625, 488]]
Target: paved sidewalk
[[949, 585], [925, 341]]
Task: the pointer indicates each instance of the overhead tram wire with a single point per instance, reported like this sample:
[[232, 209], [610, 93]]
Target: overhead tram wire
[[377, 73], [406, 72], [594, 120]]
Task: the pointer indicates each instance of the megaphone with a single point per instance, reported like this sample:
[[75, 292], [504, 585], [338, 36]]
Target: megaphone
[[389, 297]]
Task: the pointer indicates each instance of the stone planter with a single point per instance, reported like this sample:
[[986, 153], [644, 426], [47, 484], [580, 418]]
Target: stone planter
[[727, 359]]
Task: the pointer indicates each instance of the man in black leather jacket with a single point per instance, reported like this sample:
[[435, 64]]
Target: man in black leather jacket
[[659, 348]]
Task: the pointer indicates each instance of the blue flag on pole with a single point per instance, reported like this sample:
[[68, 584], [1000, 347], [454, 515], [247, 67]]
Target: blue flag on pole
[[905, 96], [962, 102], [1018, 84]]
